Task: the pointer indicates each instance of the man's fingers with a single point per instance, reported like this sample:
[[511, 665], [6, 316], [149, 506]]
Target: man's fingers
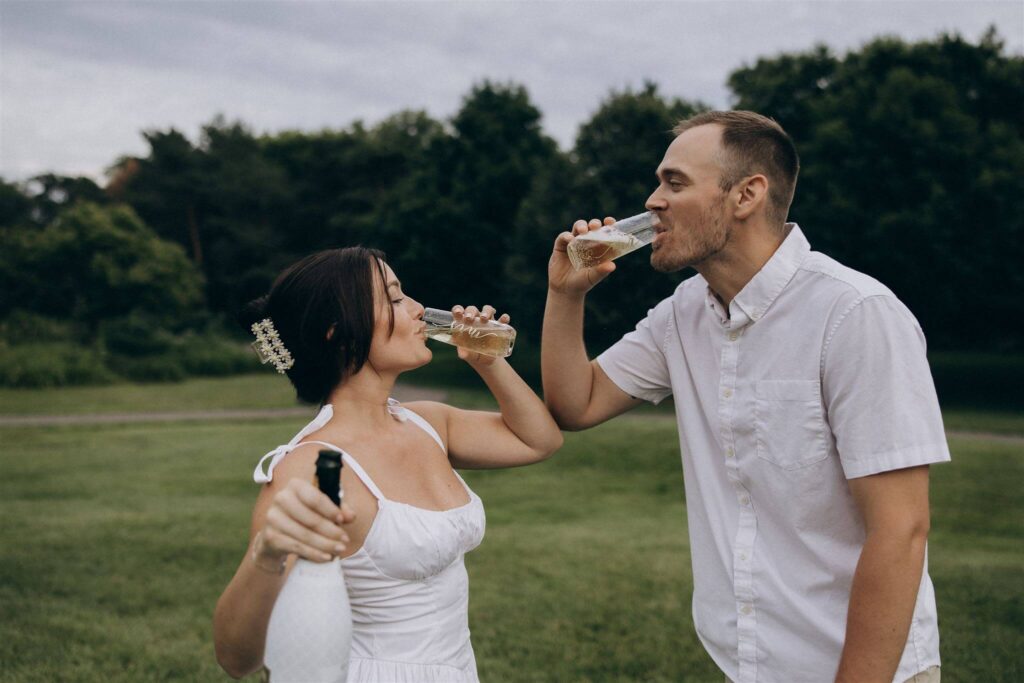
[[562, 241], [608, 220], [600, 272]]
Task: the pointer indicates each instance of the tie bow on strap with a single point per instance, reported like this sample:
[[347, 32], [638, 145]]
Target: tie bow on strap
[[396, 410], [263, 477]]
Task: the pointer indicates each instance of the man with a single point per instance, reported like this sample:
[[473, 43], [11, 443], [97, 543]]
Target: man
[[807, 418]]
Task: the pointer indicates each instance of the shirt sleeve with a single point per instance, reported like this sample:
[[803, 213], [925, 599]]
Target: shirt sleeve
[[636, 363], [878, 390]]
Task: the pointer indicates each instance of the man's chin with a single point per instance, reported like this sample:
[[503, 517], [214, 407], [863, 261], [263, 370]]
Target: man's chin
[[664, 263]]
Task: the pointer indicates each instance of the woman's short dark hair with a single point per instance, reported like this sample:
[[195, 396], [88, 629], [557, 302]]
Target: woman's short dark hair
[[324, 310]]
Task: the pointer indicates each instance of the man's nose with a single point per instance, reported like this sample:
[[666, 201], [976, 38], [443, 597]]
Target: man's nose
[[654, 202]]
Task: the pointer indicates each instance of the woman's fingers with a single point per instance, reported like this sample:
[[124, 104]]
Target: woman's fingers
[[287, 533], [285, 544]]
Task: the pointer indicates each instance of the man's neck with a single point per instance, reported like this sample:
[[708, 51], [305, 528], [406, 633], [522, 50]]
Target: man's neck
[[749, 248]]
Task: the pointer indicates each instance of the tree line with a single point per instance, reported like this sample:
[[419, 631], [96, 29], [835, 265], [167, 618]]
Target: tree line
[[912, 171]]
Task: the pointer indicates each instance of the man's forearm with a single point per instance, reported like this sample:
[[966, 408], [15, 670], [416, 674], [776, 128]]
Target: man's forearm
[[565, 369], [882, 599]]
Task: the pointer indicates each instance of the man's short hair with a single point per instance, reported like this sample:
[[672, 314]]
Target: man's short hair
[[751, 144]]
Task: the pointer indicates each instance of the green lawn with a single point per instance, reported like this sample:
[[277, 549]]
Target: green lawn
[[117, 541]]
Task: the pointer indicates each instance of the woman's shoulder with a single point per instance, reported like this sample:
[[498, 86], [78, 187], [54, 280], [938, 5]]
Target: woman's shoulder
[[434, 412]]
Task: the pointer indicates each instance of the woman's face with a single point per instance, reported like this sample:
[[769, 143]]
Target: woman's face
[[406, 347]]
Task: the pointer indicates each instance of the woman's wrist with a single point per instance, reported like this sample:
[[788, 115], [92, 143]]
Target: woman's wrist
[[264, 560]]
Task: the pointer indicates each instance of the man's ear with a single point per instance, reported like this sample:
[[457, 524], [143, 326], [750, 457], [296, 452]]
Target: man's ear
[[753, 196]]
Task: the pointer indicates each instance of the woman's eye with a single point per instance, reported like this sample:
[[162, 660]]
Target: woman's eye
[[397, 301]]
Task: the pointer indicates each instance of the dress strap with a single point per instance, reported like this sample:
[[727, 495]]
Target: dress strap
[[356, 467], [422, 423], [363, 476], [261, 476]]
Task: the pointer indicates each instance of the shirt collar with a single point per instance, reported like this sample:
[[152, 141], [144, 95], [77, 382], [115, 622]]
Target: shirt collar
[[760, 293]]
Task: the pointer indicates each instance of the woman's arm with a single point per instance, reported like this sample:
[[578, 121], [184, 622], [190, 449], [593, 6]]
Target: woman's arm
[[290, 517], [522, 433]]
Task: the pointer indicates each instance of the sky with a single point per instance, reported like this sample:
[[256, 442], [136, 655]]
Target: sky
[[81, 80]]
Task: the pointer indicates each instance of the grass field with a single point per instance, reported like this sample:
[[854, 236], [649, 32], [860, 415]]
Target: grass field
[[117, 540]]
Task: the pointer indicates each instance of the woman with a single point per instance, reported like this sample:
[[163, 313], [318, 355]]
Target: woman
[[348, 331]]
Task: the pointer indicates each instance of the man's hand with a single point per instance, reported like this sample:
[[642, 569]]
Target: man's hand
[[562, 277]]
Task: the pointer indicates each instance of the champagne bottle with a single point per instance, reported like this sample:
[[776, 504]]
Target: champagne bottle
[[310, 629], [611, 241], [490, 338]]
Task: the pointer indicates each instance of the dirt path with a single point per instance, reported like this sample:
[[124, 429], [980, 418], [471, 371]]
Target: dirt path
[[400, 393]]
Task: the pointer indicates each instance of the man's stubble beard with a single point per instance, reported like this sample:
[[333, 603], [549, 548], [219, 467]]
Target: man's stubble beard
[[710, 238]]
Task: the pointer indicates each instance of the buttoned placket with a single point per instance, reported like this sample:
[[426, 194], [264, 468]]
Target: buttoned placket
[[746, 530]]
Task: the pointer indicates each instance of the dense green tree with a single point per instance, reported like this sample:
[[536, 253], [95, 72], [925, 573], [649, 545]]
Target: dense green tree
[[913, 171], [15, 206], [94, 263], [483, 172], [167, 189], [610, 172]]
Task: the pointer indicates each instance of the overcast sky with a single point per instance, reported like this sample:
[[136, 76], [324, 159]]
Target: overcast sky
[[80, 80]]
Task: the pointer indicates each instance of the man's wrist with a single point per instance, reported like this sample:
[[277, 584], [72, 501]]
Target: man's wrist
[[566, 297]]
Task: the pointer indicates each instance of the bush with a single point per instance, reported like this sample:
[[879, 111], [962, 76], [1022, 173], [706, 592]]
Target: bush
[[165, 367], [207, 355], [975, 380], [52, 365], [135, 336], [24, 327]]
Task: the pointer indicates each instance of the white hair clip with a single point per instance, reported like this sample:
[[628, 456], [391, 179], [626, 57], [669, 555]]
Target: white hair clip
[[269, 346]]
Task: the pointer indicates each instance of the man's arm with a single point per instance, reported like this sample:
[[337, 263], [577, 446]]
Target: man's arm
[[894, 505], [576, 390]]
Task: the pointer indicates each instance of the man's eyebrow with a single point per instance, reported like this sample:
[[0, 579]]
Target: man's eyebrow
[[671, 172]]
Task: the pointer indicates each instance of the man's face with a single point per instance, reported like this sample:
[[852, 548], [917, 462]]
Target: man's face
[[688, 201]]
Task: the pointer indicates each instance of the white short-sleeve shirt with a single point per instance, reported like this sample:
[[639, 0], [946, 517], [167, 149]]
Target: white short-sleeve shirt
[[817, 375]]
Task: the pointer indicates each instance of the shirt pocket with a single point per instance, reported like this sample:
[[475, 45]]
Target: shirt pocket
[[789, 422]]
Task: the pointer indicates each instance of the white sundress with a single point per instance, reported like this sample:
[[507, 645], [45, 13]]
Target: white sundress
[[407, 584]]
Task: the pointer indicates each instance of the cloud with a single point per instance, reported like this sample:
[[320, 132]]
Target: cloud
[[80, 80]]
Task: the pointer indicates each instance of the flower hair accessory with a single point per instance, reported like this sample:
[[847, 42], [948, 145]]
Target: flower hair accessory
[[269, 346]]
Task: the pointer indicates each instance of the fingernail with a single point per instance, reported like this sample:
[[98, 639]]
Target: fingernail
[[338, 549]]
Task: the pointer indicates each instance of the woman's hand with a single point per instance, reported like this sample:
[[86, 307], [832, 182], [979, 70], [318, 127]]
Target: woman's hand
[[470, 316], [302, 521]]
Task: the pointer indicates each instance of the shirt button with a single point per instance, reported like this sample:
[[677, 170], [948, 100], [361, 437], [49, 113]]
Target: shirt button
[[733, 336], [729, 452], [746, 609], [743, 556], [744, 500], [727, 393]]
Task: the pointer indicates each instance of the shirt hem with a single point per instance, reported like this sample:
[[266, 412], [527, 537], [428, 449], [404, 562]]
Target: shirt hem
[[929, 454]]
